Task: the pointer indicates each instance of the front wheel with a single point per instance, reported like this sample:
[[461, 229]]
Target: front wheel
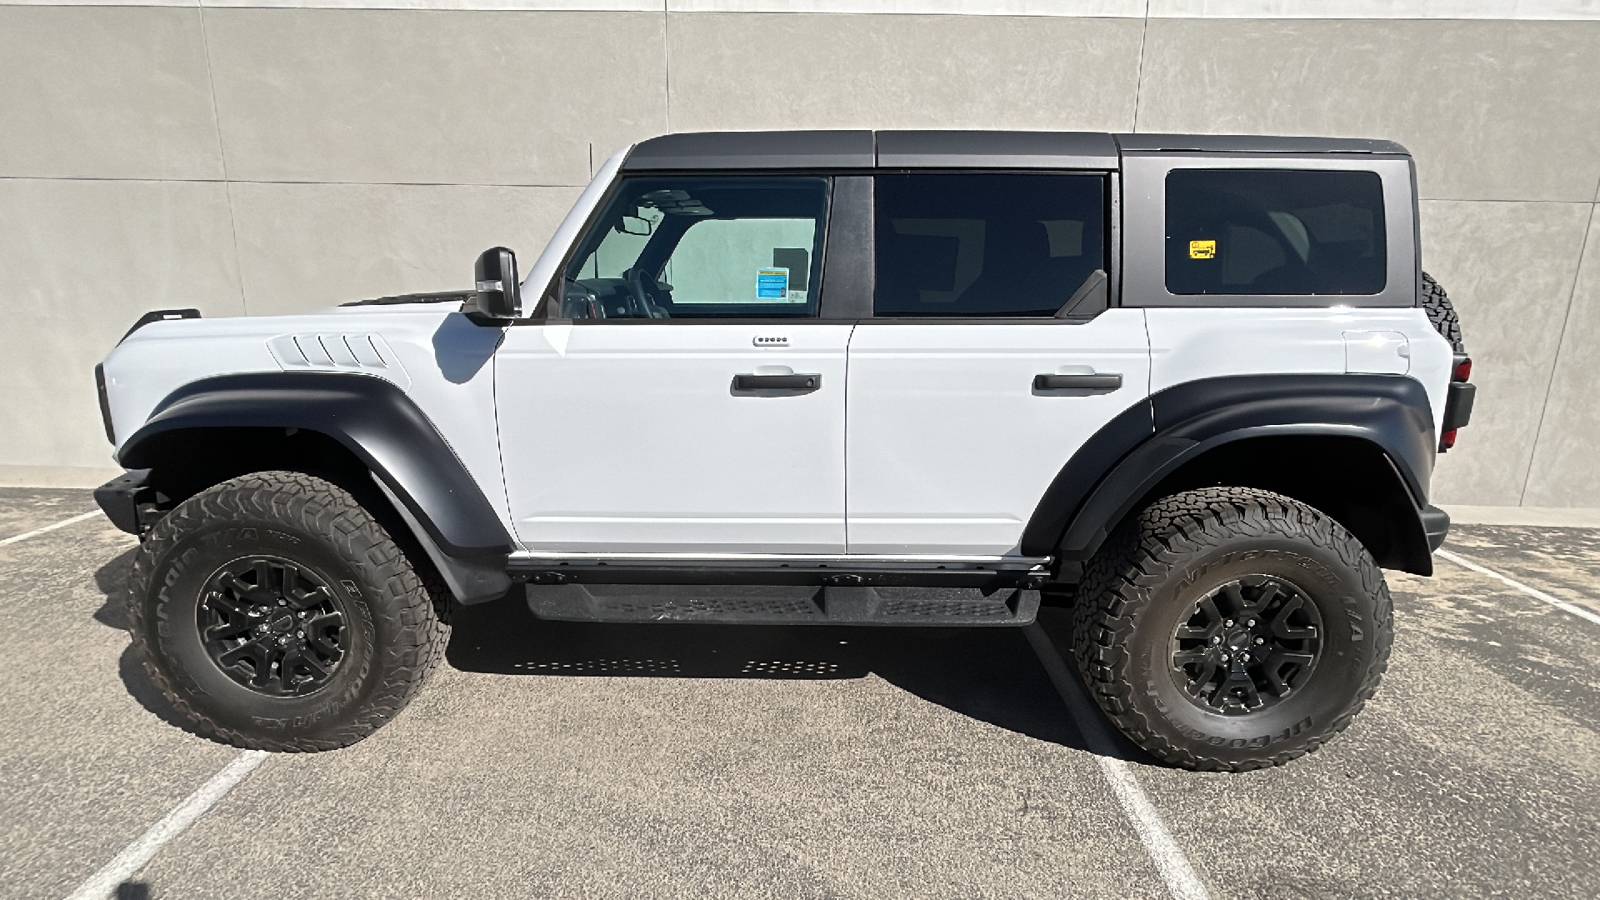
[[275, 613], [1232, 629]]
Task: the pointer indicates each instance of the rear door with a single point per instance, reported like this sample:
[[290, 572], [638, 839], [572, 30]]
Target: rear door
[[968, 393], [687, 401]]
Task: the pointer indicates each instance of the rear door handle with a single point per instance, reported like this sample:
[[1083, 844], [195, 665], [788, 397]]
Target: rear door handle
[[798, 383], [1108, 381]]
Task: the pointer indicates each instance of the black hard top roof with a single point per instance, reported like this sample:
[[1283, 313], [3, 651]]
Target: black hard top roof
[[934, 149]]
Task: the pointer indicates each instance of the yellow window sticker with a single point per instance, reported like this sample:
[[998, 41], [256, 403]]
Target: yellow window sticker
[[1202, 249]]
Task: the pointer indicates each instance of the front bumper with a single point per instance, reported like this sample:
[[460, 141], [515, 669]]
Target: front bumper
[[129, 501], [1436, 523]]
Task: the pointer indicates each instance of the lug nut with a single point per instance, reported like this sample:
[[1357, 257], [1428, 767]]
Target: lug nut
[[1251, 623], [1216, 640], [1244, 656], [299, 634], [1261, 641], [303, 615], [283, 640], [283, 602], [1228, 623]]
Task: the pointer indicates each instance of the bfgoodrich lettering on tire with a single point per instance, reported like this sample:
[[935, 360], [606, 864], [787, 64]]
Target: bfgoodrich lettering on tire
[[275, 613], [1232, 628]]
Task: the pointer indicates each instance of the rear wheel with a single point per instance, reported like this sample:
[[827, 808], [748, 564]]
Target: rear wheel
[[275, 613], [1232, 628]]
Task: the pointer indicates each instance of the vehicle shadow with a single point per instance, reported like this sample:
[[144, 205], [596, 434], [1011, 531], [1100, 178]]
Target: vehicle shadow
[[988, 674], [112, 580]]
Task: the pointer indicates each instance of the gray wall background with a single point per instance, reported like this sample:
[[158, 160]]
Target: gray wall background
[[272, 160]]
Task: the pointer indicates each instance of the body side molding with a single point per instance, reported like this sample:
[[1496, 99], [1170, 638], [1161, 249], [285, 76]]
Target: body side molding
[[370, 417], [1108, 476]]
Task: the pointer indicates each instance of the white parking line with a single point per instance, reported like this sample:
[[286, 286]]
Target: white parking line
[[48, 528], [104, 883], [1182, 881], [1535, 593]]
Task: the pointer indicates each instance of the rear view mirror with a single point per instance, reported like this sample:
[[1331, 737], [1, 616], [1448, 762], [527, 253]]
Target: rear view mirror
[[498, 294], [634, 225]]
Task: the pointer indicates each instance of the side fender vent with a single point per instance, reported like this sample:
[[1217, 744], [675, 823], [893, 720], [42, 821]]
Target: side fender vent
[[356, 353]]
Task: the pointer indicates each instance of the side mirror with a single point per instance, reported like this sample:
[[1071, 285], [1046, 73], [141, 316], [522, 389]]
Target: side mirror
[[498, 296]]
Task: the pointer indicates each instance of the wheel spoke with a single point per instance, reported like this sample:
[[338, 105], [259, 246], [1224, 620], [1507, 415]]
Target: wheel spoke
[[232, 628], [1269, 593], [1204, 679], [308, 599], [1235, 596], [1191, 657]]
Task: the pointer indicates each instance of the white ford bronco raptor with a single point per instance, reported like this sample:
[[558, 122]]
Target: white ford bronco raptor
[[1192, 387]]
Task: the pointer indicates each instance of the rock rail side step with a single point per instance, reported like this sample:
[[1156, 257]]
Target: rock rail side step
[[783, 605]]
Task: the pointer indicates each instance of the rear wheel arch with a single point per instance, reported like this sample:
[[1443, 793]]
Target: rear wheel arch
[[1368, 495], [1357, 447]]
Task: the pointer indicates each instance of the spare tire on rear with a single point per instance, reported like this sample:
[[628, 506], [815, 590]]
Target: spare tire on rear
[[1436, 303]]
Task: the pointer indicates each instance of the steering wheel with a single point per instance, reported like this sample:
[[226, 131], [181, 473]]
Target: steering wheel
[[641, 285]]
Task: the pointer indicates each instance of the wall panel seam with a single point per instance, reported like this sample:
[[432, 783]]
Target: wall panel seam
[[1138, 77], [1561, 339], [222, 154]]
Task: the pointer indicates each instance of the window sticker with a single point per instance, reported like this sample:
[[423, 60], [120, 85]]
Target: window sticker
[[772, 284], [1202, 249]]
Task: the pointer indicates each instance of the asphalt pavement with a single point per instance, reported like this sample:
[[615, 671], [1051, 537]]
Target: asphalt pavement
[[562, 759]]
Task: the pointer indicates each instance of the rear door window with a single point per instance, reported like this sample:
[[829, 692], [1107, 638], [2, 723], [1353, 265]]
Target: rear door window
[[986, 244], [1250, 231]]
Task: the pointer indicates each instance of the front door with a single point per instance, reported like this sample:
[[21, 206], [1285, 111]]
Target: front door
[[990, 359], [685, 401]]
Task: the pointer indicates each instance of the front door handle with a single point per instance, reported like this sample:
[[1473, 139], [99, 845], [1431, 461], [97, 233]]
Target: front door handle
[[797, 383], [1107, 381]]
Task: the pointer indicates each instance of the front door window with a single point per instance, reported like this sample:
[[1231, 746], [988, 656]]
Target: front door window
[[702, 248]]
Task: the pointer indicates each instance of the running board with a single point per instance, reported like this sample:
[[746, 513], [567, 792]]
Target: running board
[[783, 604]]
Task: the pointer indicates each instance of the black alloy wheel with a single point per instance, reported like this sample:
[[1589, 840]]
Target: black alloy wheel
[[272, 625], [1246, 645]]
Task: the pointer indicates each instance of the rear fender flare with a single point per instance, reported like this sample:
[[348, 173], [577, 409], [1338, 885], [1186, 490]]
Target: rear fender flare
[[1391, 412]]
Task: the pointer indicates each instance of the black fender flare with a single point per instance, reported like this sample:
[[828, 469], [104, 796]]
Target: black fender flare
[[1104, 479], [375, 421]]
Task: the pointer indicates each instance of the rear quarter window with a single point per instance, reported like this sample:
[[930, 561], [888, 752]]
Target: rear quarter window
[[1266, 231]]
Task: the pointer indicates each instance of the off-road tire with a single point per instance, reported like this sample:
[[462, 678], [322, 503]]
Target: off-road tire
[[1156, 567], [397, 613], [1436, 303]]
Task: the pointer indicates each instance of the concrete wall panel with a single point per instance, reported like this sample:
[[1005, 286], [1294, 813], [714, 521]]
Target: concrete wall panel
[[750, 71], [433, 97], [1508, 268], [87, 259], [1565, 472], [308, 246], [1492, 110], [105, 93]]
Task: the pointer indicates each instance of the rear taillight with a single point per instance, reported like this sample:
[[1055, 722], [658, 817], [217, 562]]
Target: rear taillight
[[1458, 401]]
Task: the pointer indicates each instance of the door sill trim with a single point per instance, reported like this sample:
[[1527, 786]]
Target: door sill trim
[[525, 559]]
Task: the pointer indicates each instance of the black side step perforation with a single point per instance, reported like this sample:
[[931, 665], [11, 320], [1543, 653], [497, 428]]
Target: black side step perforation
[[783, 604]]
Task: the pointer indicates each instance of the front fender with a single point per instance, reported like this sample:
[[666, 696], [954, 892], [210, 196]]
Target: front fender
[[371, 417]]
